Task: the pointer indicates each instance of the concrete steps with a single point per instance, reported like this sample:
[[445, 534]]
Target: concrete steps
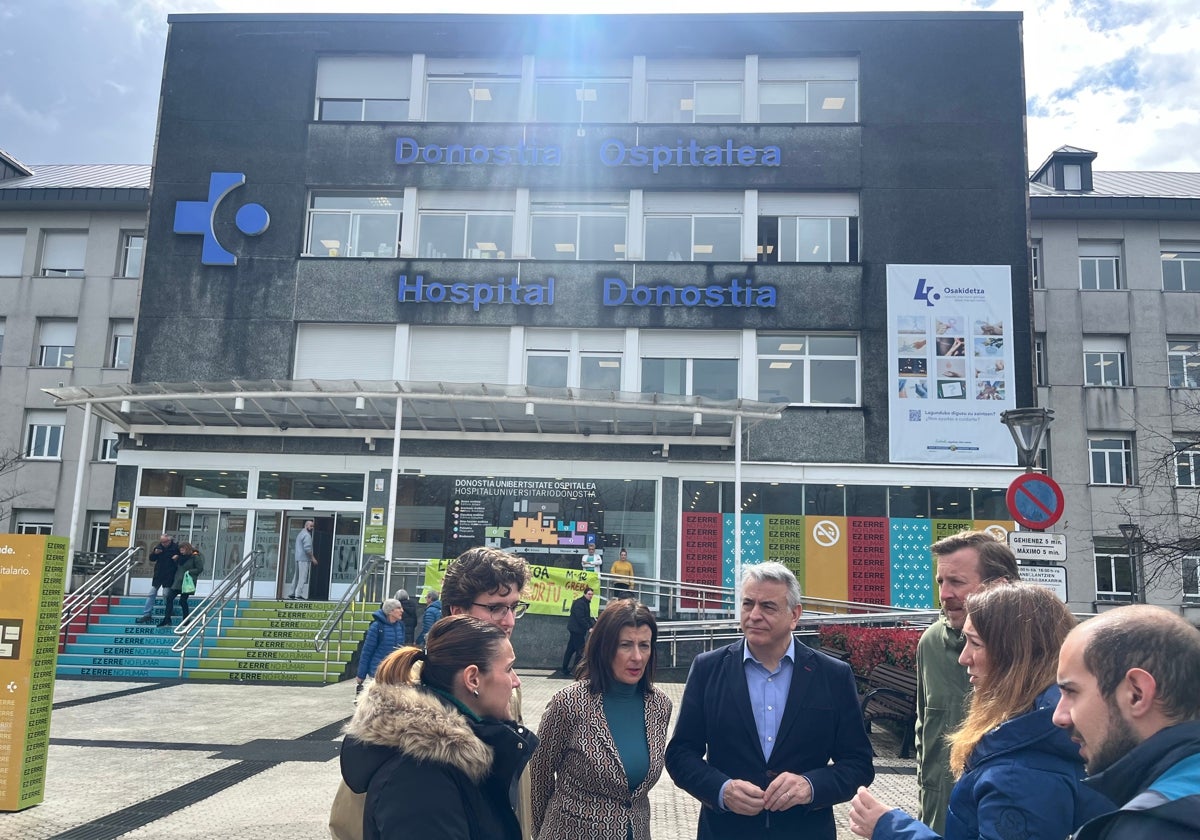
[[259, 641]]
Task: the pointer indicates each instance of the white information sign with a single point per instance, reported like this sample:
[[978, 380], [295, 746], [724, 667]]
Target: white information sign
[[1053, 578], [950, 363], [1039, 547]]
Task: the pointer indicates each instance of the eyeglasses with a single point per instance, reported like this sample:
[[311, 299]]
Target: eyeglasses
[[498, 611]]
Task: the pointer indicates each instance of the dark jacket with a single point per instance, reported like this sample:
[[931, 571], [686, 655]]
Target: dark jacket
[[164, 563], [432, 613], [1159, 782], [187, 563], [409, 619], [580, 620], [382, 638], [716, 740], [1023, 779], [428, 768]]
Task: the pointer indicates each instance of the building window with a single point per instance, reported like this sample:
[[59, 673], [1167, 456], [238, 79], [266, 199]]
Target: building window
[[1104, 361], [590, 359], [1191, 576], [1039, 359], [1181, 271], [106, 443], [354, 225], [1183, 363], [12, 252], [132, 247], [44, 434], [715, 378], [1035, 264], [464, 99], [672, 238], [63, 252], [1111, 460], [456, 236], [812, 102], [1072, 176], [33, 525], [800, 239], [693, 102], [1114, 575], [1100, 274], [120, 344], [578, 232], [363, 88], [97, 539], [56, 343], [1187, 463], [582, 100], [1, 338], [808, 369]]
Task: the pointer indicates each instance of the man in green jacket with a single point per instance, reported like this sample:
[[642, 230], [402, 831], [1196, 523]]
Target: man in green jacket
[[965, 561]]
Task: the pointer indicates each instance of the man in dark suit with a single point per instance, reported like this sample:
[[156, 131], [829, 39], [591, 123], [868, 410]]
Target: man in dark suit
[[761, 721], [579, 624]]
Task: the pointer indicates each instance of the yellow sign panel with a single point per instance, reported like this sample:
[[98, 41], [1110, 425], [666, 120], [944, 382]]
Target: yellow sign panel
[[826, 550], [31, 592], [123, 509], [550, 589], [119, 531]]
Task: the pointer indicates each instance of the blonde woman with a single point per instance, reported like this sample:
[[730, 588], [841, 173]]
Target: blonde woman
[[1018, 774]]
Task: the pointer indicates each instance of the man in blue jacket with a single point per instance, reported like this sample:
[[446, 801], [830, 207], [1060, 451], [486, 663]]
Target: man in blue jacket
[[769, 735], [1130, 681], [433, 611]]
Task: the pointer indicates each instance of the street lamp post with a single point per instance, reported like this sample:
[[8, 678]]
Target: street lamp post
[[1130, 531], [1028, 426]]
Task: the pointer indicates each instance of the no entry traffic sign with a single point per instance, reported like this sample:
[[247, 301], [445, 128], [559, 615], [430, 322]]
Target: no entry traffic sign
[[1035, 500]]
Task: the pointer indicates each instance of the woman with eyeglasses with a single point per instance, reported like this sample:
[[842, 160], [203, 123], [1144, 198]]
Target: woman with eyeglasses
[[439, 756], [1019, 775], [604, 738]]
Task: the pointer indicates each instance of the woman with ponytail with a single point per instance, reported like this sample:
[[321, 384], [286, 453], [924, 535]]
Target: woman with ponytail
[[430, 743]]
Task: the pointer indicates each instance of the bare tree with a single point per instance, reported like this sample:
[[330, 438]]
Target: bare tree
[[1166, 504], [11, 461]]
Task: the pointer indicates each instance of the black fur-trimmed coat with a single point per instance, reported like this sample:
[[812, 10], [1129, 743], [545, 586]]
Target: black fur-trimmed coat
[[427, 768]]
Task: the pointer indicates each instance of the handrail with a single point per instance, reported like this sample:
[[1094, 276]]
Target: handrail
[[213, 606], [82, 599], [363, 595]]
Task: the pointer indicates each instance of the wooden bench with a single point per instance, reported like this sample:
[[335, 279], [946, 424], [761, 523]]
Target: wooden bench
[[892, 695]]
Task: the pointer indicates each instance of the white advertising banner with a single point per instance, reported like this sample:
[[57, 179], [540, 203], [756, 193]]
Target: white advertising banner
[[950, 363]]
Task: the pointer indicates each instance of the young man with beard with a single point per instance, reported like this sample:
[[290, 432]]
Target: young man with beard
[[1130, 681], [965, 561]]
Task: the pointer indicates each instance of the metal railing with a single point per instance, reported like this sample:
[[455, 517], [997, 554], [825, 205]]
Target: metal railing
[[213, 608], [80, 602], [368, 589]]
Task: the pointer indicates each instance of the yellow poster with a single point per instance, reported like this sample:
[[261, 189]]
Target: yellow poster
[[825, 558], [31, 593], [550, 590]]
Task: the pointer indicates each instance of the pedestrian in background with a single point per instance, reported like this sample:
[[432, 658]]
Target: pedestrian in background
[[603, 738], [579, 624], [410, 615], [385, 635], [164, 555], [433, 611], [305, 560], [190, 563], [1019, 776]]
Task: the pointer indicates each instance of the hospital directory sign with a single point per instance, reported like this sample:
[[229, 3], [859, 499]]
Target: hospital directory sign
[[32, 569]]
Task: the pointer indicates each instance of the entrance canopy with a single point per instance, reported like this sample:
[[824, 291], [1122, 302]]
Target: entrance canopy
[[428, 410]]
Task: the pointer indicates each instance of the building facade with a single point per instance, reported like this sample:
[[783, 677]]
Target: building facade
[[71, 245], [613, 284], [1116, 267]]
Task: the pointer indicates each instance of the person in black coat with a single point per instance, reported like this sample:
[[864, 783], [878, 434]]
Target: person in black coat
[[579, 624], [165, 555], [440, 759], [410, 614]]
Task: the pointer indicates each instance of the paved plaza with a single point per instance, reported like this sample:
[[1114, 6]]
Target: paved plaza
[[222, 761]]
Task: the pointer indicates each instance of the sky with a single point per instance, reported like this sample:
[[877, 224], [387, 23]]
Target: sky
[[80, 79]]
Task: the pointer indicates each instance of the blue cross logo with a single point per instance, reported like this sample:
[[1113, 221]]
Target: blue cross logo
[[196, 217]]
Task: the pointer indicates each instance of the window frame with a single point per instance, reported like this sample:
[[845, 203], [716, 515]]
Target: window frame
[[807, 357], [689, 375], [696, 86], [1186, 260], [1100, 360], [1187, 463], [1112, 558], [1179, 352], [133, 251], [44, 439], [1039, 360], [476, 82], [502, 252], [582, 86], [650, 218], [1124, 454], [354, 218], [1036, 279], [1118, 280], [547, 211], [71, 271], [1190, 569]]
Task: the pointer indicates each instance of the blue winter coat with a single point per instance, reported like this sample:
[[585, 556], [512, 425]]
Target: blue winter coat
[[1024, 779], [432, 613], [382, 638]]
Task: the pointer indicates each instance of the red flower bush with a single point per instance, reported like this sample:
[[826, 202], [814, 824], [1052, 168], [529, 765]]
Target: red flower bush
[[870, 646]]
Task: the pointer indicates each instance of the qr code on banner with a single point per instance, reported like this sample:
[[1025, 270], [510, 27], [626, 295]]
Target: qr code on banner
[[914, 415]]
